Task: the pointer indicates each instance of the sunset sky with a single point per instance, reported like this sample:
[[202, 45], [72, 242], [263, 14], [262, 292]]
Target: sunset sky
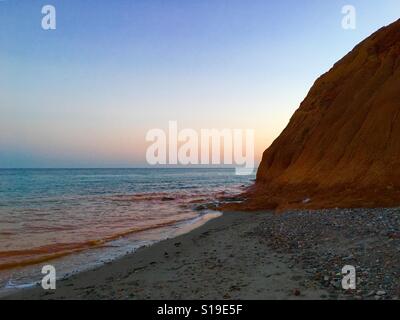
[[85, 94]]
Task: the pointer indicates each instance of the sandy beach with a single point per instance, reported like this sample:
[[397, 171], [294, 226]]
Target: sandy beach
[[295, 255], [219, 260]]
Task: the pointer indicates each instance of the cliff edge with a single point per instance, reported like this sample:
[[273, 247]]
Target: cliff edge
[[341, 148]]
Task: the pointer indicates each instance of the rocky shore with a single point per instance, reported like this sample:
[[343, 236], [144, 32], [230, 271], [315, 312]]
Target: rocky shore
[[322, 242]]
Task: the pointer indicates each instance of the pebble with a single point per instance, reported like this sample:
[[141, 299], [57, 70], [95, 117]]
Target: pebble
[[322, 242]]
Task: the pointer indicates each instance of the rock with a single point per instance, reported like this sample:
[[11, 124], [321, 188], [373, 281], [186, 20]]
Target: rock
[[167, 199], [350, 257], [336, 284], [201, 207], [394, 235], [296, 292]]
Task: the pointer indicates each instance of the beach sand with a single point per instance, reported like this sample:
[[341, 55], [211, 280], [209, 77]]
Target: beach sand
[[219, 260], [296, 255]]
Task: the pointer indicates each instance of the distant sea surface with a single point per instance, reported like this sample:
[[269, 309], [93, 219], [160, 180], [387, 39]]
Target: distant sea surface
[[76, 219]]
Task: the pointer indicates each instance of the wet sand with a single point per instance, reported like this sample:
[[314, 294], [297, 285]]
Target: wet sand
[[223, 259]]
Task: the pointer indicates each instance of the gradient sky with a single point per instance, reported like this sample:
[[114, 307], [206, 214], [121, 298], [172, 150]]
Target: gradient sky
[[85, 94]]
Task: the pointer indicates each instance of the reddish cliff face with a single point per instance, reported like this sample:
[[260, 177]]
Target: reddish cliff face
[[341, 148]]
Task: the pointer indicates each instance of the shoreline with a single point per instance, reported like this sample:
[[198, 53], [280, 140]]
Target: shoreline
[[261, 256], [189, 266], [177, 229]]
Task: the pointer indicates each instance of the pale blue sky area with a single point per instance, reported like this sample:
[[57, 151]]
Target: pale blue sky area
[[86, 93]]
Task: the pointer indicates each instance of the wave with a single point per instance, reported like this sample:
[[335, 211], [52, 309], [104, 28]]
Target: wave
[[21, 258], [191, 197], [196, 201]]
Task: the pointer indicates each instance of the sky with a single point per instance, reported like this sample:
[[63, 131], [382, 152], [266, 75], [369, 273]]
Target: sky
[[86, 94]]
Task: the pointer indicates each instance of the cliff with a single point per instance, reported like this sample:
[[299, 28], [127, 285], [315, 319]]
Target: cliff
[[341, 148]]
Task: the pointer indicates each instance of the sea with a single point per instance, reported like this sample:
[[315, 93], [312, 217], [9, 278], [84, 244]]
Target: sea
[[78, 219]]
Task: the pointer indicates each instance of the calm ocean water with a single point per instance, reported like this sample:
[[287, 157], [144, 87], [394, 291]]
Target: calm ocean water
[[76, 219]]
